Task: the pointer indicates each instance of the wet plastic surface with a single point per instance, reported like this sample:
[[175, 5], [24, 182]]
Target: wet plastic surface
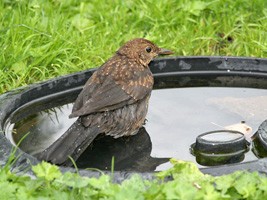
[[181, 72]]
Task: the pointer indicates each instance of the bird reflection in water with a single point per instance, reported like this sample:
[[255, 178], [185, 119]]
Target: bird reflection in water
[[130, 153]]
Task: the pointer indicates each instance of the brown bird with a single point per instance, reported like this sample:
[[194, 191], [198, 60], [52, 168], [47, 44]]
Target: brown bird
[[114, 101]]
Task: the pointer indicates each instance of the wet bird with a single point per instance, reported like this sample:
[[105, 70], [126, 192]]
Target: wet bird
[[114, 101]]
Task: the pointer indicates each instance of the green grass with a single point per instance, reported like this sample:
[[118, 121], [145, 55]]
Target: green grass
[[41, 39]]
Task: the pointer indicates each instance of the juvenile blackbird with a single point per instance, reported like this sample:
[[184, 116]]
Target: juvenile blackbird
[[114, 101]]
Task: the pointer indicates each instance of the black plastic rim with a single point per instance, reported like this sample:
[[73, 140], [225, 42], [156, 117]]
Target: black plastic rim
[[217, 71]]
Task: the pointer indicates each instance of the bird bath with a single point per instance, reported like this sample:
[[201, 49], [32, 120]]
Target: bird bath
[[191, 95]]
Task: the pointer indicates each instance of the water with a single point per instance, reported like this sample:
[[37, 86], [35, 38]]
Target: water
[[175, 118]]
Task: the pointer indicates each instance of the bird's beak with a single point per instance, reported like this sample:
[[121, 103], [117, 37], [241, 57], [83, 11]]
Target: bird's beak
[[165, 52]]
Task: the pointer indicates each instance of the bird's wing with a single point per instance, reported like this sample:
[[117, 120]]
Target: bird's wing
[[106, 92]]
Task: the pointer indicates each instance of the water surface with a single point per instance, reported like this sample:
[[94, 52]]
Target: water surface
[[175, 118]]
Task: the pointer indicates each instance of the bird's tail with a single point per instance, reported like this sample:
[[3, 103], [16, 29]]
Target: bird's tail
[[71, 144]]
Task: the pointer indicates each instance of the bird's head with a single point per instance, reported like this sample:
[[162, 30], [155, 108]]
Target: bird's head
[[142, 50]]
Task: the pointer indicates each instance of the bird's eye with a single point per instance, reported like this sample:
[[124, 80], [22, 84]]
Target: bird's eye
[[148, 49]]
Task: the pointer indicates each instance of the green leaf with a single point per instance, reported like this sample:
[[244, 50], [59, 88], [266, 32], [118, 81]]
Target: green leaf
[[47, 171], [246, 184], [131, 189], [224, 184], [179, 190], [73, 180], [181, 167], [208, 192], [7, 190], [81, 22], [19, 67], [100, 183], [195, 7]]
